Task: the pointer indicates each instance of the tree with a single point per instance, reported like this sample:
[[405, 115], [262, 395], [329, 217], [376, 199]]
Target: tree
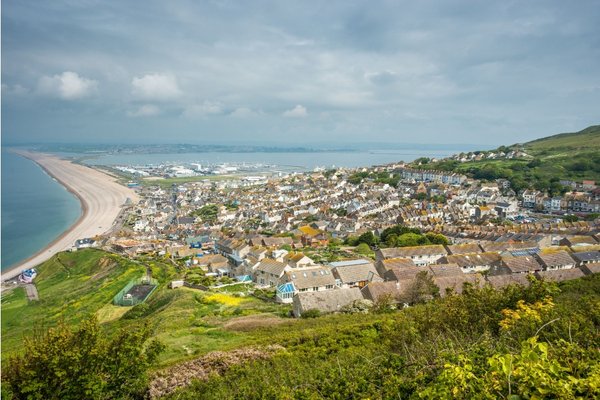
[[83, 363], [421, 289], [437, 238], [411, 239], [363, 249], [368, 238], [570, 218]]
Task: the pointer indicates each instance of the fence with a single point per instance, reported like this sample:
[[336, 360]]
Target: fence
[[135, 292]]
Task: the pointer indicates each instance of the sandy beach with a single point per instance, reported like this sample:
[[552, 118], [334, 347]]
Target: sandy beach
[[101, 197]]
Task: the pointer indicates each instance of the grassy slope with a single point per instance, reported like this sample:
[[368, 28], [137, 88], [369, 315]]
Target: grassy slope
[[75, 285], [396, 355], [556, 155], [585, 139]]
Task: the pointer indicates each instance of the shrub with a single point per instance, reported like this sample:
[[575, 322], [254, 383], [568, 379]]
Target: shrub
[[82, 363], [313, 313]]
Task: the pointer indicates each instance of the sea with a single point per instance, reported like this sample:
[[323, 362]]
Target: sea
[[36, 209]]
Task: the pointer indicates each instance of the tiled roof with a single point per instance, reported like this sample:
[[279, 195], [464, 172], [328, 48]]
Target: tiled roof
[[560, 258], [464, 248], [404, 252], [473, 260], [271, 266], [306, 278], [521, 264], [356, 273]]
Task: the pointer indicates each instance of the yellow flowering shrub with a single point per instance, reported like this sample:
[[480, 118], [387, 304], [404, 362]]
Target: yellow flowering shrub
[[526, 313], [223, 298]]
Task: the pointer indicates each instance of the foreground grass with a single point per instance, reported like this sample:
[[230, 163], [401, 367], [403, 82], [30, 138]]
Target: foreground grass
[[483, 345]]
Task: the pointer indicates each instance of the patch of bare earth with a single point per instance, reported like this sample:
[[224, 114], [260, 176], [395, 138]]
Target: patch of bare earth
[[105, 265], [251, 322], [216, 362]]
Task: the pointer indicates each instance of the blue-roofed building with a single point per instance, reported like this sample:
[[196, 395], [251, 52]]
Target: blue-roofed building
[[525, 252], [244, 278], [285, 292]]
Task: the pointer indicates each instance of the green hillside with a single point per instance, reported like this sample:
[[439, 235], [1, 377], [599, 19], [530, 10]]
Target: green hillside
[[74, 285], [537, 342], [566, 156], [587, 139]]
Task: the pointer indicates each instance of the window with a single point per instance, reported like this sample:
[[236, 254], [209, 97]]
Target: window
[[329, 287], [315, 289]]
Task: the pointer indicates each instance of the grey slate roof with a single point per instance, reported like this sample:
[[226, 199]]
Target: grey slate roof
[[521, 264], [445, 270], [591, 268], [456, 282], [270, 266], [472, 259], [407, 252], [325, 301], [500, 281], [356, 273], [561, 274], [559, 259], [587, 256], [466, 248], [307, 278]]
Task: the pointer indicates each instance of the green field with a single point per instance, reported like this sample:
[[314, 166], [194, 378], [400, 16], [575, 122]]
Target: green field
[[75, 285]]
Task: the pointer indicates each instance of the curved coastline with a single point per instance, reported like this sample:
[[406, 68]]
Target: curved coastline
[[60, 243]]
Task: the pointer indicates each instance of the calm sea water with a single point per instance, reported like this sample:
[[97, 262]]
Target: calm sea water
[[35, 209]]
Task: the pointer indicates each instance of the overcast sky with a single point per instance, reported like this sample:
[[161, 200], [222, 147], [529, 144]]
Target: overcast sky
[[478, 72]]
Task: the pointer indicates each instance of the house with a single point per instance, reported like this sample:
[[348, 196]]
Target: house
[[574, 241], [501, 281], [529, 198], [555, 261], [473, 262], [560, 275], [376, 291], [591, 268], [445, 270], [85, 243], [466, 248], [420, 255], [298, 260], [382, 266], [351, 273], [211, 260], [269, 272], [455, 283], [401, 273], [500, 247], [315, 279], [326, 302], [521, 264], [277, 241], [587, 257]]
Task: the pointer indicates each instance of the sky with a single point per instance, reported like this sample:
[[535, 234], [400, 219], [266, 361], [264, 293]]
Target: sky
[[298, 72]]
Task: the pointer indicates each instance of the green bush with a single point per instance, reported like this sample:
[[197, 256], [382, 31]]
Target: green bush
[[314, 313], [83, 363]]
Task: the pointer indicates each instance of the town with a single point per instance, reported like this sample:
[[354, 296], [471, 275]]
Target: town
[[325, 239]]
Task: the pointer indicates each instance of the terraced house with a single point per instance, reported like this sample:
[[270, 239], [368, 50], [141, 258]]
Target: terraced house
[[420, 255]]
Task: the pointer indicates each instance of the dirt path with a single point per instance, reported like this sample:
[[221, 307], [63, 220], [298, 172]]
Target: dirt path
[[32, 293]]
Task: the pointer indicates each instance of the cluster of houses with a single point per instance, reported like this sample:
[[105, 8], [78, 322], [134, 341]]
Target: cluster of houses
[[297, 279], [585, 200], [260, 232]]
